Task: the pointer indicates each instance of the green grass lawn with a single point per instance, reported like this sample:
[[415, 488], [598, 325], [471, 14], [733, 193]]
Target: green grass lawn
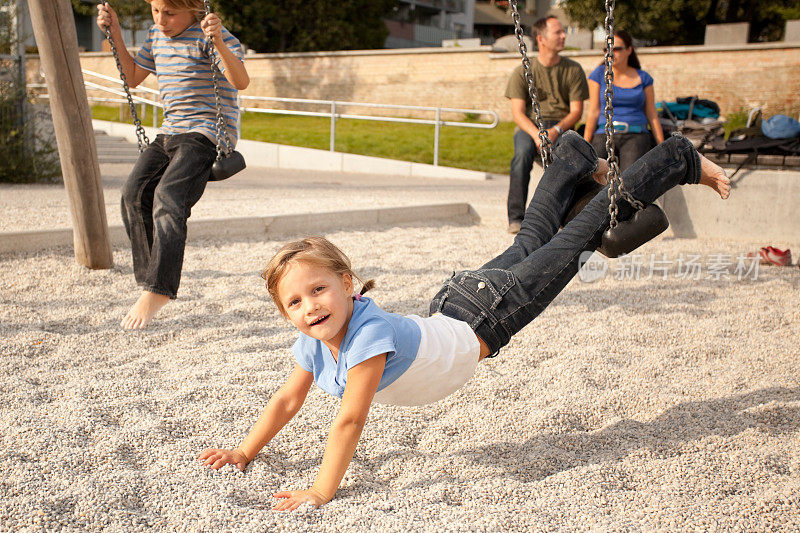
[[470, 148]]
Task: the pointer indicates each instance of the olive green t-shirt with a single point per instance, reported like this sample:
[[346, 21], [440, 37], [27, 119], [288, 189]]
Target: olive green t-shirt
[[556, 87]]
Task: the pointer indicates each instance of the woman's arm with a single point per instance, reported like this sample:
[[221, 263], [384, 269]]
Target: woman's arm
[[592, 111], [651, 114], [362, 382], [235, 71], [282, 407]]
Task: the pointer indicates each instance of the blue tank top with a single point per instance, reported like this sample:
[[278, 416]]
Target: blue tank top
[[628, 103]]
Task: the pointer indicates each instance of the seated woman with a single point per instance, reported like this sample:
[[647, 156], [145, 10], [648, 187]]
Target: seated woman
[[634, 106]]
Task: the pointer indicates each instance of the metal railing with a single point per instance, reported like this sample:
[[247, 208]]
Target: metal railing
[[333, 105], [96, 86], [334, 115]]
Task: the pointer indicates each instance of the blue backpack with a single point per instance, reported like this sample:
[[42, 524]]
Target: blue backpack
[[780, 127]]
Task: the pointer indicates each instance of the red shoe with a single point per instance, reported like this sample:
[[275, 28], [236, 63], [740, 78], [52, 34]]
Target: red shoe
[[759, 254], [774, 256]]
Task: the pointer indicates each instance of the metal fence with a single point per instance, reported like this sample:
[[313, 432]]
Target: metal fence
[[332, 109], [12, 94], [334, 113]]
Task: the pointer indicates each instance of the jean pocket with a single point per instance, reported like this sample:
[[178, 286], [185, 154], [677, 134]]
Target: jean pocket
[[486, 286]]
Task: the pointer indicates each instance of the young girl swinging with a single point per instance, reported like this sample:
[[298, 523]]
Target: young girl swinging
[[356, 351]]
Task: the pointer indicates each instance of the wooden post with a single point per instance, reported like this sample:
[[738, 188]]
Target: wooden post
[[54, 29]]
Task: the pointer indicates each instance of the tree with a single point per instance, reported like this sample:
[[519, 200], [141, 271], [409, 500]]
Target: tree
[[315, 25], [134, 15], [669, 22], [28, 155]]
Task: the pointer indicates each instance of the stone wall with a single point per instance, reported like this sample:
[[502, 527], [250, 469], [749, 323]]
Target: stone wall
[[737, 77]]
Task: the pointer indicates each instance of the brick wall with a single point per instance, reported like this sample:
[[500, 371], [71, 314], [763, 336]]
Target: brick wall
[[737, 77]]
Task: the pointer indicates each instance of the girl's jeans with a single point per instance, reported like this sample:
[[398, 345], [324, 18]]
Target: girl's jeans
[[168, 179], [508, 292]]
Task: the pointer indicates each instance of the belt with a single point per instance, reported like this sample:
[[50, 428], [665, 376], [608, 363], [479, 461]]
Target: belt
[[624, 127]]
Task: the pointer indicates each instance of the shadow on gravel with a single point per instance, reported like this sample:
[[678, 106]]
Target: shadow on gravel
[[665, 436], [649, 298]]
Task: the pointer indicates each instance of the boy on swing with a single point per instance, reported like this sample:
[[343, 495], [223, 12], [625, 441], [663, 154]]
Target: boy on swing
[[171, 173]]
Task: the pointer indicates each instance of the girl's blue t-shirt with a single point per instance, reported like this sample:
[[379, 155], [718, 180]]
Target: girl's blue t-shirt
[[371, 332], [628, 103]]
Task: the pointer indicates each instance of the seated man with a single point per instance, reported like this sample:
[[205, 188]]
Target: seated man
[[561, 87]]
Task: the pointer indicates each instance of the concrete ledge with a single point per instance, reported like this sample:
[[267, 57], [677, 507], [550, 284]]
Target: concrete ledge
[[261, 154], [762, 208], [267, 227]]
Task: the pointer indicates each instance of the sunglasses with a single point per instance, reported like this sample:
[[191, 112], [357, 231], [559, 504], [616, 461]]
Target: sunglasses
[[616, 49]]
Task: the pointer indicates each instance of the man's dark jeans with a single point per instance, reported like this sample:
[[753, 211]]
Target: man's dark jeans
[[168, 179], [508, 292], [525, 153]]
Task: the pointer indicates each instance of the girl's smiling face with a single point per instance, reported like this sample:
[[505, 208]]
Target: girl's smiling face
[[317, 301]]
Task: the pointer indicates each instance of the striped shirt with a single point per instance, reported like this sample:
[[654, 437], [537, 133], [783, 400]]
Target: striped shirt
[[185, 85]]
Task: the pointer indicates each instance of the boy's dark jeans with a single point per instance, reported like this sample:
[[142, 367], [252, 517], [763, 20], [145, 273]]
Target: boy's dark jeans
[[508, 292], [168, 179]]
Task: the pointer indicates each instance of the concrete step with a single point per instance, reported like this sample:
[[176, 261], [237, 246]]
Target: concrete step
[[113, 149]]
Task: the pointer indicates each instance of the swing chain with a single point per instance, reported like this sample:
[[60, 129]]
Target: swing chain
[[616, 190], [141, 136], [612, 176], [224, 144], [546, 145]]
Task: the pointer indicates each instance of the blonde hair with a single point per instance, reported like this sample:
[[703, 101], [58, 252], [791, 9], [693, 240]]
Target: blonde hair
[[317, 251], [197, 7]]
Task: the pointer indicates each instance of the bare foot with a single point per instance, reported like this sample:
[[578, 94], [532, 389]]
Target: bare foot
[[601, 174], [143, 311], [713, 176]]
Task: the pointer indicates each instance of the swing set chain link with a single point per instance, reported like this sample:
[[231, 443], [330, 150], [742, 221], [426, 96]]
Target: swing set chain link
[[546, 145], [612, 176], [616, 189], [141, 136], [224, 144]]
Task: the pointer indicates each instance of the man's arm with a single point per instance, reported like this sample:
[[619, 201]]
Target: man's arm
[[524, 123], [574, 115]]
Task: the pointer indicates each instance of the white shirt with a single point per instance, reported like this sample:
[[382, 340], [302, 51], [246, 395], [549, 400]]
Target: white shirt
[[447, 358]]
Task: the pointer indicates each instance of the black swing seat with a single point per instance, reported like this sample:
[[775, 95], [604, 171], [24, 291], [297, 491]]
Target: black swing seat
[[226, 166], [628, 235]]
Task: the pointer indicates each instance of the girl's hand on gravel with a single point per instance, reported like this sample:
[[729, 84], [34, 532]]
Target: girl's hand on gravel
[[217, 458], [292, 499]]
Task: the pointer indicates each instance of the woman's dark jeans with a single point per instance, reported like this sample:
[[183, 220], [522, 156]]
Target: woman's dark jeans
[[168, 179], [508, 292], [628, 146]]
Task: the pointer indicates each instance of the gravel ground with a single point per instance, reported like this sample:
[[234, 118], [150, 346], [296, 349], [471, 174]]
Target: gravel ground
[[629, 404], [639, 403]]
